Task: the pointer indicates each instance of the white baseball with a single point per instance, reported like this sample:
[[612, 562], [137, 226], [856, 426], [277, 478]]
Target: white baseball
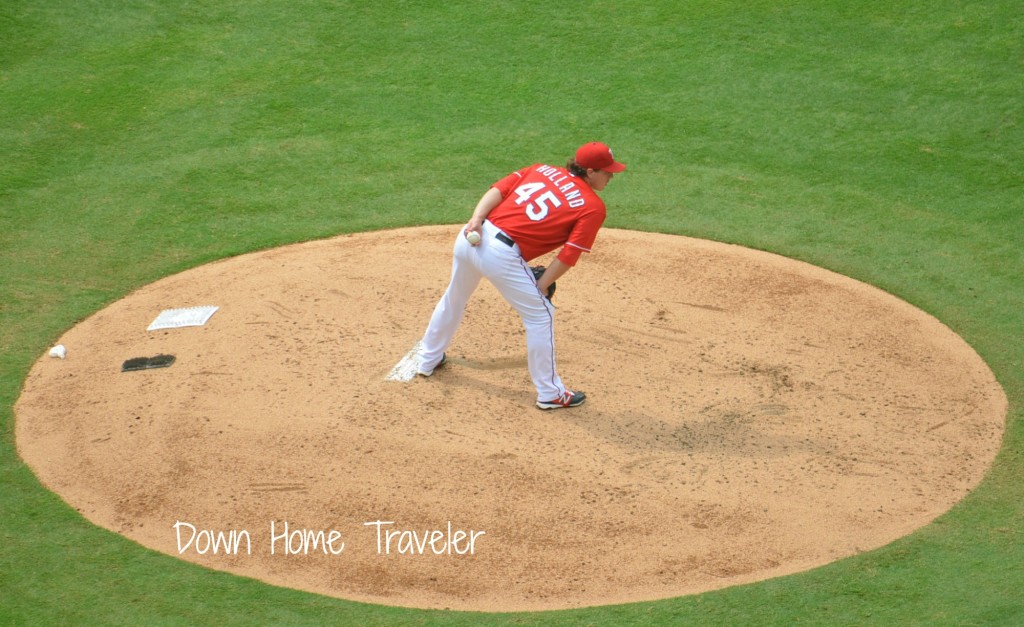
[[473, 237]]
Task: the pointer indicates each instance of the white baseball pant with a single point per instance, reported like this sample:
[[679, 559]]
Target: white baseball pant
[[503, 266]]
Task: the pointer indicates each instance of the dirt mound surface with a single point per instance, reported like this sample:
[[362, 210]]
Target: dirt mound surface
[[748, 416]]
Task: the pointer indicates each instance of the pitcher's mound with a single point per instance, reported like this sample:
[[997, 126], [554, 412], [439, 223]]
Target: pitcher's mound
[[748, 416]]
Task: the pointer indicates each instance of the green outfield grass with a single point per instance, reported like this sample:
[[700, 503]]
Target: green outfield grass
[[881, 140]]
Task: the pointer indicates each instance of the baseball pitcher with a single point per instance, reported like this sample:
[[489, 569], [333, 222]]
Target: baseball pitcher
[[524, 215]]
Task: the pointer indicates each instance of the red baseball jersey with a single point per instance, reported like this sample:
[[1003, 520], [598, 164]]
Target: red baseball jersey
[[544, 207]]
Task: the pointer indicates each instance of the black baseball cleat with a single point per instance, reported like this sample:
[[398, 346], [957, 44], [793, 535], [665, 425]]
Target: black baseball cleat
[[569, 399], [427, 373]]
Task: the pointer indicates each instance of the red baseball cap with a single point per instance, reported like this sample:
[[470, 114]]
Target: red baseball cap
[[598, 156]]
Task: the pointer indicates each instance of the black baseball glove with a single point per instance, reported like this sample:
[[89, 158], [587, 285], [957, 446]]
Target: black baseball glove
[[538, 272]]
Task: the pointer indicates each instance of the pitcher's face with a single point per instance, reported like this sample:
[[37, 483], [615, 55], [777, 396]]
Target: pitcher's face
[[598, 178]]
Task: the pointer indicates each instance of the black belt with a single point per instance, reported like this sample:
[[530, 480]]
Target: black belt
[[501, 237]]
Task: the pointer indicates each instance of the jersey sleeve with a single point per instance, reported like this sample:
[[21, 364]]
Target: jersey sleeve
[[508, 183], [581, 239]]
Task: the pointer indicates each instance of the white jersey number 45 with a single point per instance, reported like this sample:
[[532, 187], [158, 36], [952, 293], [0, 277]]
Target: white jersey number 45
[[538, 208]]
